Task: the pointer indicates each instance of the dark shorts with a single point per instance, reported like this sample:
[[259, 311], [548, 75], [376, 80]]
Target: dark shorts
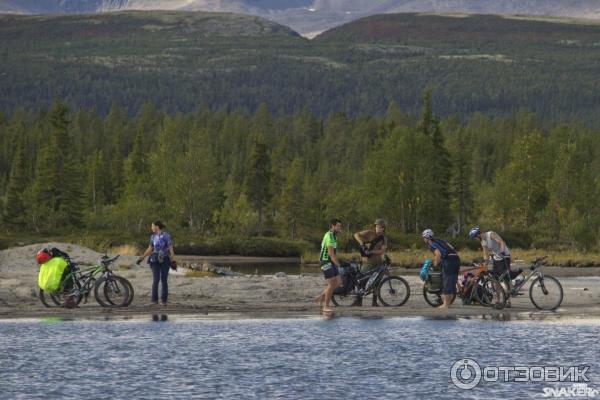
[[330, 270], [450, 268], [449, 283]]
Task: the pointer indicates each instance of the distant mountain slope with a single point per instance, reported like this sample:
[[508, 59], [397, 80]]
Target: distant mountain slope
[[312, 16], [457, 30], [182, 60]]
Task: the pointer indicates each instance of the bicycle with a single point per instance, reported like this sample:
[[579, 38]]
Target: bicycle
[[109, 289], [391, 290], [544, 288], [486, 292]]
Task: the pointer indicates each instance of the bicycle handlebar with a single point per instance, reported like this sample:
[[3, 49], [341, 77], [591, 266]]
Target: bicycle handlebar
[[105, 260]]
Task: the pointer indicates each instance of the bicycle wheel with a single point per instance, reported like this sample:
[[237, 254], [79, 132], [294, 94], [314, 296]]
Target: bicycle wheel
[[131, 291], [393, 291], [344, 299], [68, 298], [546, 293], [433, 298], [114, 292], [111, 292], [490, 293], [45, 301]]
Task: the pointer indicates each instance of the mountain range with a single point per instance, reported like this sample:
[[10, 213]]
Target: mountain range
[[496, 65], [310, 17]]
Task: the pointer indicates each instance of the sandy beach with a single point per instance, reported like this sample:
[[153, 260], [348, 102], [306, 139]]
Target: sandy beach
[[262, 296]]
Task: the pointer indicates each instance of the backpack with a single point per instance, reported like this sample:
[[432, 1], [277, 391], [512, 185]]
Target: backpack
[[447, 247], [348, 273], [424, 274], [51, 273]]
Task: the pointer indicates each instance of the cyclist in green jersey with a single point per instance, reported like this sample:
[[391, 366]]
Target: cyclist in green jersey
[[330, 264]]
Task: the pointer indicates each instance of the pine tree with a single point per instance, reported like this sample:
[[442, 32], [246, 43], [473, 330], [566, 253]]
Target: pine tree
[[97, 183], [258, 178], [292, 198], [462, 179], [14, 210], [41, 199], [425, 125], [438, 212], [69, 194]]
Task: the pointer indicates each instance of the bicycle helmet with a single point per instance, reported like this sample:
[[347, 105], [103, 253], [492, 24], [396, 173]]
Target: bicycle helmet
[[427, 234], [43, 256], [473, 233]]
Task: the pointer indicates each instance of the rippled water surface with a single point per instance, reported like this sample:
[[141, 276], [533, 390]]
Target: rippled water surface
[[177, 357]]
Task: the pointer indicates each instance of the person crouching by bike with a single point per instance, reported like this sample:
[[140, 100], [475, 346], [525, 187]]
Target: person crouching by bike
[[330, 264], [162, 257], [446, 257], [372, 245], [495, 247]]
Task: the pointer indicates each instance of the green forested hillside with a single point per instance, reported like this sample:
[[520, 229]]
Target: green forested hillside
[[218, 173], [227, 125], [180, 61]]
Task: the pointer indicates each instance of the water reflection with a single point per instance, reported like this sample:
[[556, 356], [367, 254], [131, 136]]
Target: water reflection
[[505, 316], [54, 319], [159, 317]]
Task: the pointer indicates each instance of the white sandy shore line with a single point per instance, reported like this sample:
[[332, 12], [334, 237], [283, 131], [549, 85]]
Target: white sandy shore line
[[246, 294]]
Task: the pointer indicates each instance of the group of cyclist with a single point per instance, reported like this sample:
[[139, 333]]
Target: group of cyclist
[[373, 244]]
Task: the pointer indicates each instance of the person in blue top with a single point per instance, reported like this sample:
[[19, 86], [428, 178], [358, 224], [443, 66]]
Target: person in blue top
[[446, 257], [162, 257]]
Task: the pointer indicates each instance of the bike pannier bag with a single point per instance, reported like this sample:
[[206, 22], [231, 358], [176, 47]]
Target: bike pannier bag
[[51, 272]]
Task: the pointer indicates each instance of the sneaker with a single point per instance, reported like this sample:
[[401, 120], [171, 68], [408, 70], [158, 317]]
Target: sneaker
[[153, 303], [163, 303]]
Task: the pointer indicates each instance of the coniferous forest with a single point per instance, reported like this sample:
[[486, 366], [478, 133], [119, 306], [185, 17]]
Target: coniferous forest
[[228, 172], [227, 126]]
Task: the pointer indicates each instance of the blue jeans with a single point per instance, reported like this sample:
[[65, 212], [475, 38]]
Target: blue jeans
[[160, 272]]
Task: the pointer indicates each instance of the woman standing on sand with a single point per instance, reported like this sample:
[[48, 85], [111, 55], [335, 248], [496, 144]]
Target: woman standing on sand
[[162, 257]]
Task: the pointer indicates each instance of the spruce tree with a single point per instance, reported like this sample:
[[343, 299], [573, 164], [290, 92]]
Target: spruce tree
[[14, 210], [258, 178], [292, 198], [440, 166]]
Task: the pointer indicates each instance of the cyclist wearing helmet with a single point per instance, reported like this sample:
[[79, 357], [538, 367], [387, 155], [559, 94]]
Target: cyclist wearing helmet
[[446, 257], [372, 245], [495, 247]]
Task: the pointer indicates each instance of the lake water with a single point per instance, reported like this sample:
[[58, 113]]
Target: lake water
[[294, 268], [170, 356]]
